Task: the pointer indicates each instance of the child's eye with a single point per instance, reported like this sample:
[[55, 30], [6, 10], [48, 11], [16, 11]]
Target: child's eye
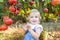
[[32, 17], [35, 16]]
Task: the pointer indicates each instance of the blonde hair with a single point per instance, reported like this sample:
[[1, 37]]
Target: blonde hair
[[35, 11]]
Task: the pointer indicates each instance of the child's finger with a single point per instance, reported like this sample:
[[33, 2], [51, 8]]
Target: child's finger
[[28, 26]]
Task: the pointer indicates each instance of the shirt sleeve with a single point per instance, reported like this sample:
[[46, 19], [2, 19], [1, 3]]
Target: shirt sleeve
[[40, 28]]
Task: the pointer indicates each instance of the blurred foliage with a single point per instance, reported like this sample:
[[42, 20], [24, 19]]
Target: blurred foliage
[[25, 6]]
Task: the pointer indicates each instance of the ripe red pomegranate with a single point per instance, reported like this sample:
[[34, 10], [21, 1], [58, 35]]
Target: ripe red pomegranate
[[12, 8], [8, 21], [11, 2], [16, 12], [45, 9], [3, 27], [54, 2], [31, 3]]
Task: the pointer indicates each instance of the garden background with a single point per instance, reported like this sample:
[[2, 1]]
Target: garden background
[[15, 12]]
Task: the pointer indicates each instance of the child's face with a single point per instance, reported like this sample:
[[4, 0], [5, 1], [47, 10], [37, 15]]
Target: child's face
[[34, 18]]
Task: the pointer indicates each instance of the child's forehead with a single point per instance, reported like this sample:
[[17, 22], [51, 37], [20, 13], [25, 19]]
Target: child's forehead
[[34, 14]]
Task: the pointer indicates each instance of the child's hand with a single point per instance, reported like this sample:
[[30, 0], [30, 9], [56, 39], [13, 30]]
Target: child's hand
[[28, 27]]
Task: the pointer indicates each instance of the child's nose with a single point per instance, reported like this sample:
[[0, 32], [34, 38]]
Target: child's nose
[[34, 18]]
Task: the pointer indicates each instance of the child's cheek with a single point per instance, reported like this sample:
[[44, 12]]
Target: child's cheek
[[31, 20]]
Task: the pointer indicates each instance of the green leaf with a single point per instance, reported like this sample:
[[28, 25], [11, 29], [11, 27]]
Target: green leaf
[[1, 6], [1, 0], [47, 1]]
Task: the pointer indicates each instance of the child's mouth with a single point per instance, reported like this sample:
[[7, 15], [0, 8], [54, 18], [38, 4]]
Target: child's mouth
[[33, 21]]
